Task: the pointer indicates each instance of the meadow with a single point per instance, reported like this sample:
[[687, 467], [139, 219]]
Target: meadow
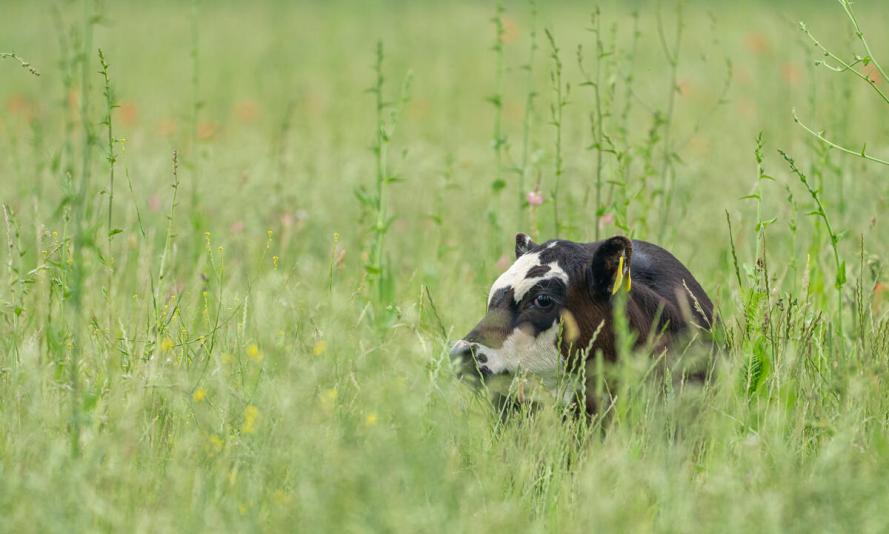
[[239, 239]]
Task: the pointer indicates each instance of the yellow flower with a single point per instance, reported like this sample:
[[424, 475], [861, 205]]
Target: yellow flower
[[319, 348], [216, 443], [251, 418], [199, 394], [167, 345], [371, 419], [328, 399], [253, 352], [281, 497]]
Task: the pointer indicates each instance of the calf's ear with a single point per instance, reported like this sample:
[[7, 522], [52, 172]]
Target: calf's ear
[[523, 244], [611, 267]]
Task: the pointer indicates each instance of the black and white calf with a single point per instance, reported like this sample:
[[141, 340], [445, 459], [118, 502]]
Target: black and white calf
[[554, 304]]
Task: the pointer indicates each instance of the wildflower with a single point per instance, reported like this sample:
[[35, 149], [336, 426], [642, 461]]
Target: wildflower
[[328, 399], [154, 203], [791, 73], [253, 352], [339, 256], [216, 443], [757, 43], [535, 198], [127, 113], [21, 105], [251, 418], [510, 30], [371, 419], [199, 394], [608, 218], [282, 497], [207, 130], [872, 73], [167, 345], [247, 111], [319, 348], [166, 127]]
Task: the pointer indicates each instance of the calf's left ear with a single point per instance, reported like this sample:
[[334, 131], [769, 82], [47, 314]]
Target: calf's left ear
[[611, 266], [523, 244]]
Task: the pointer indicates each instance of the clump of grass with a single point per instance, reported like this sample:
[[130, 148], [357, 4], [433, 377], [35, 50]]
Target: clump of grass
[[668, 156], [197, 104], [159, 287], [524, 172], [111, 158], [597, 117], [82, 238], [560, 92], [821, 213], [499, 142], [376, 203]]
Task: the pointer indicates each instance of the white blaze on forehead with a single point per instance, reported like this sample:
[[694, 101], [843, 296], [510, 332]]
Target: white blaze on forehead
[[516, 276]]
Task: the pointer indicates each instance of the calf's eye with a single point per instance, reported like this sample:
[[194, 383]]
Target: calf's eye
[[543, 301]]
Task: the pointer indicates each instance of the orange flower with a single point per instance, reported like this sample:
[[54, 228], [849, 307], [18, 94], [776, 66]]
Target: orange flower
[[247, 111], [757, 43], [872, 73], [73, 99], [510, 30], [207, 130], [166, 127], [20, 105], [127, 113], [790, 73]]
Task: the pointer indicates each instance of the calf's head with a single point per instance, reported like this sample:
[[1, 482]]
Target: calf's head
[[545, 307]]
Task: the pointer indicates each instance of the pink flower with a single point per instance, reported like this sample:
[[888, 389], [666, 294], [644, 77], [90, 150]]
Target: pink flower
[[154, 203], [535, 198], [608, 218]]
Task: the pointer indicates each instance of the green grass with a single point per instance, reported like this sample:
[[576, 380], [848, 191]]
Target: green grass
[[244, 343]]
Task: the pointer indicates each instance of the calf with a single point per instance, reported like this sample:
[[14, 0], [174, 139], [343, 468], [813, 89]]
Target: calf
[[553, 308]]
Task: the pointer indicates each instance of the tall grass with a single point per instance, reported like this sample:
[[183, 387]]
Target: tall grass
[[269, 351]]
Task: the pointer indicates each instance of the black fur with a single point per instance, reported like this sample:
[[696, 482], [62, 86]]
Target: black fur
[[664, 300]]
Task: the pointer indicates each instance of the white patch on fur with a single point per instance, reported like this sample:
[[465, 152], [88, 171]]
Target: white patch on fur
[[514, 277], [523, 352]]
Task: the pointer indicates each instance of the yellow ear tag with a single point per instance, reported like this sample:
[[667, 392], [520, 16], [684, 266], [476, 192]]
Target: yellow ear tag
[[629, 283], [619, 277]]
